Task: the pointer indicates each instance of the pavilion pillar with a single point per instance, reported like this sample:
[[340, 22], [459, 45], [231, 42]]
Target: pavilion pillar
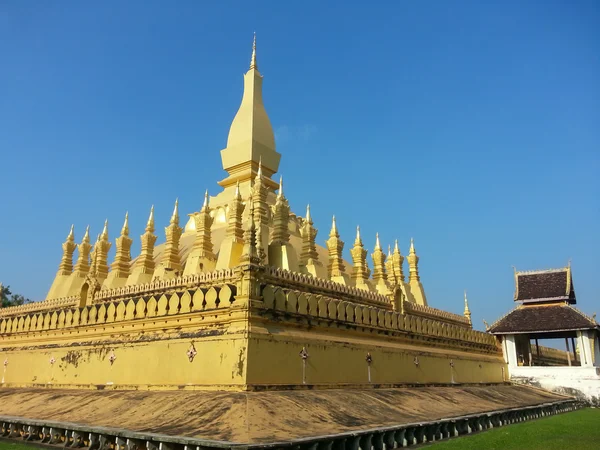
[[596, 349], [584, 339], [574, 351], [568, 351], [510, 349]]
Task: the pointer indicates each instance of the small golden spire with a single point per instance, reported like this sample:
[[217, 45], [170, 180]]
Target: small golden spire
[[86, 236], [377, 243], [412, 246], [467, 312], [280, 193], [175, 215], [253, 64], [389, 251], [358, 240], [125, 229], [205, 204], [334, 230], [71, 236], [237, 189], [150, 224], [308, 218], [104, 235]]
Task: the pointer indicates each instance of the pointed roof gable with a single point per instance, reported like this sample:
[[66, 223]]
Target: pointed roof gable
[[544, 286]]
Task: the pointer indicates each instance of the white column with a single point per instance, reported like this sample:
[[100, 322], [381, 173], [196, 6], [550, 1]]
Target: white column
[[511, 351], [596, 349], [585, 348]]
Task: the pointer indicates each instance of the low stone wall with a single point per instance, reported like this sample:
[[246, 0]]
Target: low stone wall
[[580, 382]]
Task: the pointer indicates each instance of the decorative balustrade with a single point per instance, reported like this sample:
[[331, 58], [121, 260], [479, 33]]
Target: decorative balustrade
[[319, 306], [215, 297], [55, 303], [190, 281], [328, 287], [428, 311]]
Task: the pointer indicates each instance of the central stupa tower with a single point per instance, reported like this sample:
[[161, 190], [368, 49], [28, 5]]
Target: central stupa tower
[[251, 139]]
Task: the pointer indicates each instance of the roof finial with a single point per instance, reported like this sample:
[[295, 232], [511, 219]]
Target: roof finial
[[308, 218], [280, 193], [412, 245], [205, 204], [175, 215], [467, 312], [396, 249], [86, 236], [71, 236], [104, 235], [259, 173], [334, 230], [377, 243], [389, 251], [357, 240], [125, 229], [253, 64], [237, 189], [150, 223]]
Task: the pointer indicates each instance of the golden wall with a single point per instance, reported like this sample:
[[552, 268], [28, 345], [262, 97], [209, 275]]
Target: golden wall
[[235, 332]]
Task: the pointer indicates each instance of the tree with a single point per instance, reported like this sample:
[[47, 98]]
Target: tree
[[7, 298]]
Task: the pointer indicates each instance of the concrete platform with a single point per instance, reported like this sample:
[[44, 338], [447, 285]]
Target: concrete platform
[[264, 417]]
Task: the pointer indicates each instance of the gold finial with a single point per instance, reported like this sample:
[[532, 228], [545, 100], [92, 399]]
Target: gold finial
[[71, 236], [175, 215], [389, 251], [104, 234], [205, 204], [334, 230], [280, 193], [86, 236], [487, 325], [466, 302], [125, 229], [358, 240], [237, 189], [150, 224], [259, 172], [308, 218], [377, 244], [253, 64], [412, 245], [396, 249]]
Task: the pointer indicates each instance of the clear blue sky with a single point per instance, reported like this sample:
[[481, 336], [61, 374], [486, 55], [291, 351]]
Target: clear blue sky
[[472, 127]]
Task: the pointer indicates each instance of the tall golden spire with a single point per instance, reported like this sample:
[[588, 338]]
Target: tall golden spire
[[120, 268], [251, 136], [413, 263], [253, 64], [66, 263], [170, 263], [202, 258], [397, 263], [360, 270], [416, 288], [143, 267], [467, 312], [379, 272], [309, 258], [281, 217], [65, 267], [336, 262], [102, 247]]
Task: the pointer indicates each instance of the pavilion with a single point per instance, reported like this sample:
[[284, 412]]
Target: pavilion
[[546, 311]]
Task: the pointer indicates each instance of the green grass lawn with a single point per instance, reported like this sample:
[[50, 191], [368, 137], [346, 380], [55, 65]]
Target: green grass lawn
[[579, 430], [4, 445]]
